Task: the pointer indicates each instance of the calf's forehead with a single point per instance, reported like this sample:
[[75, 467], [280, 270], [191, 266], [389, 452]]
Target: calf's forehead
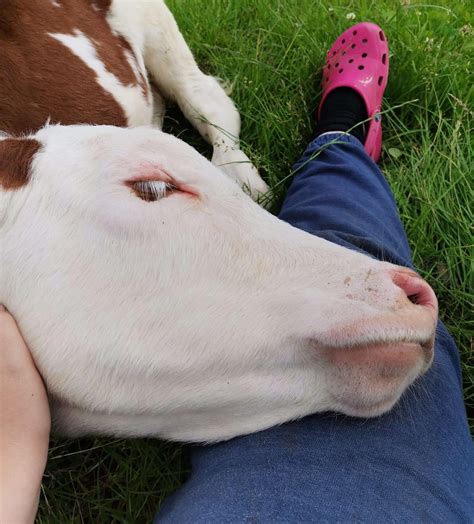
[[103, 153], [100, 154]]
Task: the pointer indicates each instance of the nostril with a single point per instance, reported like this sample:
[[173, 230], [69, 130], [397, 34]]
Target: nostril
[[415, 288]]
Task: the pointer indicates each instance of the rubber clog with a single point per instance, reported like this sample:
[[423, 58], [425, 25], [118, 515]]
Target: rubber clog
[[359, 59]]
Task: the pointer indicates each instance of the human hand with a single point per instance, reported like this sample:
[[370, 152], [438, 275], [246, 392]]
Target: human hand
[[25, 423]]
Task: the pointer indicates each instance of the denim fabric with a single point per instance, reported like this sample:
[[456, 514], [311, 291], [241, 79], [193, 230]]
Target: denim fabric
[[414, 464]]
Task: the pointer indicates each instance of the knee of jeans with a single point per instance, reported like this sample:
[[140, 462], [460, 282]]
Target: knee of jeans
[[366, 245]]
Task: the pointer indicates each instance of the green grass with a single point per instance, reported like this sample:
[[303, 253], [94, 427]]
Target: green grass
[[272, 52]]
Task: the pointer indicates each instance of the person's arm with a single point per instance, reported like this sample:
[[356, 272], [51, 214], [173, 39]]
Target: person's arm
[[24, 427]]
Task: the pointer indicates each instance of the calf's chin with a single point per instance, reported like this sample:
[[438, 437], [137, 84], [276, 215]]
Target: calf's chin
[[195, 315]]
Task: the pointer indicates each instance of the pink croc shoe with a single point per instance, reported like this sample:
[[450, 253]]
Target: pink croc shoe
[[359, 59]]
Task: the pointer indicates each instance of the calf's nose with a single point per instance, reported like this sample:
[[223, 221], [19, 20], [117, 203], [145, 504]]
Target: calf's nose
[[416, 289]]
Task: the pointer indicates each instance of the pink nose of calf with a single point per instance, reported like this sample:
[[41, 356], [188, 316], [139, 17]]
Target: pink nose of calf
[[418, 310]]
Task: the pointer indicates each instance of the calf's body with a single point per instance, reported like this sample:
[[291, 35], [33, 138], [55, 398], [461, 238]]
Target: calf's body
[[93, 62]]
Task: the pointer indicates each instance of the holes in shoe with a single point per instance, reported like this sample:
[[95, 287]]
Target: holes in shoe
[[343, 53], [353, 46], [351, 60], [364, 55], [354, 32], [361, 67], [343, 40], [341, 70], [336, 64], [364, 41], [382, 36], [384, 58], [380, 80], [329, 66], [333, 53]]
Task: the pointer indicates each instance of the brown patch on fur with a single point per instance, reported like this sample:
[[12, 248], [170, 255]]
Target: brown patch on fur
[[16, 155], [41, 78], [103, 5]]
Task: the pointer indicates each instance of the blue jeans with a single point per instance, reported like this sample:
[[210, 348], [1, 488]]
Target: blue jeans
[[413, 464]]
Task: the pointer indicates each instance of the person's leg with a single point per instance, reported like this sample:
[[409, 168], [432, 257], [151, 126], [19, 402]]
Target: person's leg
[[339, 193], [414, 464]]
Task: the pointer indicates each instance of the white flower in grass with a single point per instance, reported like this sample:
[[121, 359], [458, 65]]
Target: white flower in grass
[[350, 16]]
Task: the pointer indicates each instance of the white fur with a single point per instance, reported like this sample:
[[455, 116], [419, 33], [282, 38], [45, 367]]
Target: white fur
[[193, 318]]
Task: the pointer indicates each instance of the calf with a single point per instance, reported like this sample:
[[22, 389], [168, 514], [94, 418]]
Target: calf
[[159, 300]]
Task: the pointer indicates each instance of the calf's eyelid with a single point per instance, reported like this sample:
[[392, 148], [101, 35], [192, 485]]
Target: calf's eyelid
[[152, 190]]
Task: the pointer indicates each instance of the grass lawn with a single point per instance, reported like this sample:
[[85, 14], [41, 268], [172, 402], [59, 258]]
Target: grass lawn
[[272, 51]]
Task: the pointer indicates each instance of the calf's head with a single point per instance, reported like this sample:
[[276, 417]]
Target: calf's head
[[158, 299]]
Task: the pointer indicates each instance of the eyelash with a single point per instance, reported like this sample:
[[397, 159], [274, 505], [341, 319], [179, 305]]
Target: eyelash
[[152, 190]]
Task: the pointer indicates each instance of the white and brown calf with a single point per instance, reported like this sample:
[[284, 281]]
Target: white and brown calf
[[158, 299]]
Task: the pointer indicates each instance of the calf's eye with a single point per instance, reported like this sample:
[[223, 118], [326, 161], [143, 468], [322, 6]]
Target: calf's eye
[[152, 190]]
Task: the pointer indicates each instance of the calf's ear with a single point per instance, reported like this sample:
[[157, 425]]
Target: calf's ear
[[16, 155]]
